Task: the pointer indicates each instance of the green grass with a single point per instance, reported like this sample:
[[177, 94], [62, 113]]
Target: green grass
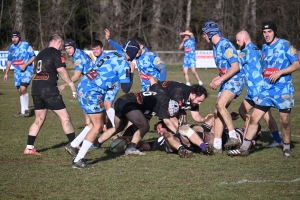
[[264, 174]]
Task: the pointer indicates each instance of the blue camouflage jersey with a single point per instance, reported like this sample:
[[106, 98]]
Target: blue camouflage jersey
[[82, 61], [249, 59], [225, 54], [94, 85], [110, 75], [148, 64], [19, 55], [275, 57]]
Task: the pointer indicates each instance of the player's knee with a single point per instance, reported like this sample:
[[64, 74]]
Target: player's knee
[[186, 131], [285, 123]]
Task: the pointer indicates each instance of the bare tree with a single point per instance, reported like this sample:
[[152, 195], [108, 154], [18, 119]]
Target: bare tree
[[188, 14], [253, 20], [156, 8], [19, 18], [40, 24]]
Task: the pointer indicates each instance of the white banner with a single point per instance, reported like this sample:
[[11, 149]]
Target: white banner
[[205, 59]]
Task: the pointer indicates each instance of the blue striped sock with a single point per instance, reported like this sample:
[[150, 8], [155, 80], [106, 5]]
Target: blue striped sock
[[276, 136]]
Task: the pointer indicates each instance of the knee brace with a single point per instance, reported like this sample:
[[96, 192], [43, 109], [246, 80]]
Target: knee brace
[[186, 131]]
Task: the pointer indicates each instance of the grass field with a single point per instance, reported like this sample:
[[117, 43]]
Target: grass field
[[264, 174]]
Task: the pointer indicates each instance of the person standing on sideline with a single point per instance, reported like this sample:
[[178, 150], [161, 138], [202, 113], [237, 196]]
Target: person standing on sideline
[[21, 56], [231, 80], [279, 60], [249, 58], [48, 64], [189, 44]]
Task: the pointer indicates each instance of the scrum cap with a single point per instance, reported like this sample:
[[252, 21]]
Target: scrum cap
[[269, 25], [70, 42], [131, 47], [211, 29], [16, 33]]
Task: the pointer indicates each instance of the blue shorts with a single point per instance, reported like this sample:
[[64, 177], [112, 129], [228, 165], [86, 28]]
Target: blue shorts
[[235, 86], [280, 98], [189, 62], [91, 100], [112, 93], [23, 77]]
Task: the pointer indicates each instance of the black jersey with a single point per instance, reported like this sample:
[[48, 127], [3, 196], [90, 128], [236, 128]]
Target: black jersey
[[149, 102], [179, 92], [46, 63]]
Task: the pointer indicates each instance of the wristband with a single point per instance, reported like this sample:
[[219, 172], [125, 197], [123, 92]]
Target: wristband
[[71, 84], [74, 94]]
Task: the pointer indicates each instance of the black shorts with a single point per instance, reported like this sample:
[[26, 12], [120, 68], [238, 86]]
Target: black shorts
[[122, 107], [251, 102], [48, 102]]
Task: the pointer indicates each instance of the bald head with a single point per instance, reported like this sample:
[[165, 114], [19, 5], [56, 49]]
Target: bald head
[[242, 39]]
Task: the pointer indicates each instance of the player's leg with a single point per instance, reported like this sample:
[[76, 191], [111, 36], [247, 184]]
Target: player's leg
[[193, 69], [194, 138], [141, 122], [186, 75], [257, 114], [223, 103], [286, 131], [108, 102], [173, 143], [219, 127], [97, 121], [270, 121], [40, 116], [245, 108]]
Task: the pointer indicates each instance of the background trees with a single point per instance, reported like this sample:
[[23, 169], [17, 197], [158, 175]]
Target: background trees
[[158, 22]]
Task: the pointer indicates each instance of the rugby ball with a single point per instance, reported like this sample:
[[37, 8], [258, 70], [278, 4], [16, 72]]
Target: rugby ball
[[118, 145]]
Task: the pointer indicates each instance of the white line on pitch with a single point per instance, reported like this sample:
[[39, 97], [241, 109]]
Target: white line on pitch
[[259, 181]]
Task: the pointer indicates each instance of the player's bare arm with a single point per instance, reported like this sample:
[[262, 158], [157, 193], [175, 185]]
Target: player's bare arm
[[292, 68]]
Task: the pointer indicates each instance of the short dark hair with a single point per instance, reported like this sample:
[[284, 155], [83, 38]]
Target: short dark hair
[[139, 40], [199, 90], [97, 43]]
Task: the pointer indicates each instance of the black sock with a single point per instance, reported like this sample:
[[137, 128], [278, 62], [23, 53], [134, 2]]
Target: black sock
[[71, 136], [30, 139], [98, 144]]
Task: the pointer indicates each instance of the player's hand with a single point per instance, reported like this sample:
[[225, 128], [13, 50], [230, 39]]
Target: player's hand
[[22, 67], [215, 83], [274, 77], [74, 93], [107, 34], [5, 77]]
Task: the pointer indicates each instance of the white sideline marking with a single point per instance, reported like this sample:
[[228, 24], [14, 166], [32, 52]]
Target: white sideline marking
[[258, 181]]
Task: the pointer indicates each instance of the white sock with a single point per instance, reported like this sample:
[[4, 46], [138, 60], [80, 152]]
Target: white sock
[[111, 116], [29, 147], [83, 150], [24, 100], [218, 143], [76, 142], [232, 134], [200, 83]]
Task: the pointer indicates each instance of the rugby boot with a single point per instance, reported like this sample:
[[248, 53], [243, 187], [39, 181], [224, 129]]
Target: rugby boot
[[238, 152], [31, 152], [232, 142], [71, 150], [81, 164], [287, 153], [184, 153]]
